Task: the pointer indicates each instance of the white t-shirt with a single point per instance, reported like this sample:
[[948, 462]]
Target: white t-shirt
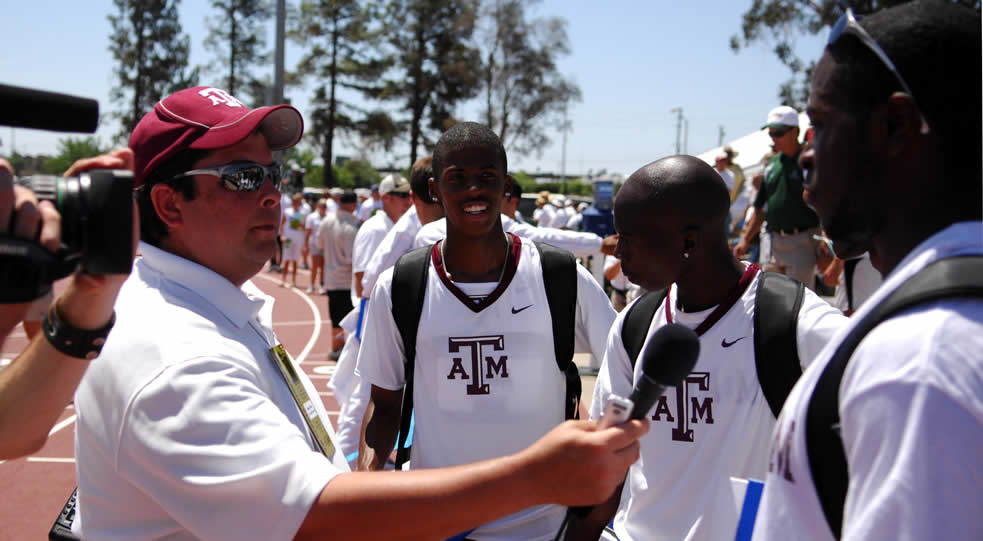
[[186, 429], [293, 224], [714, 426], [579, 244], [368, 207], [546, 215], [911, 420], [866, 280], [311, 225], [369, 235], [398, 241], [486, 381]]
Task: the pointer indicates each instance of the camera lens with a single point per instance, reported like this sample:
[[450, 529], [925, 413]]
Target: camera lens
[[96, 210]]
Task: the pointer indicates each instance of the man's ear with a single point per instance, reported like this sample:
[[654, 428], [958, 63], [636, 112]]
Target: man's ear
[[902, 124], [432, 184], [509, 181], [168, 204]]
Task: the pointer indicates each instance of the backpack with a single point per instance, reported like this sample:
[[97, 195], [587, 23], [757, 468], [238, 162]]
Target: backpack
[[408, 290], [776, 314], [943, 279]]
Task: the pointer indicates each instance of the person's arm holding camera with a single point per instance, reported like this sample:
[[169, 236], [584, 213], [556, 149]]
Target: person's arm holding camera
[[41, 381]]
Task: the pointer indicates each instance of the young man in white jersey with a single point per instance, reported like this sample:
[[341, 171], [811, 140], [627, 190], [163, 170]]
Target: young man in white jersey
[[895, 102], [486, 376], [292, 234], [670, 218]]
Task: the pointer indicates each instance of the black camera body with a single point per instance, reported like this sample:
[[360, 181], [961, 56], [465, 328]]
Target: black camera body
[[96, 210]]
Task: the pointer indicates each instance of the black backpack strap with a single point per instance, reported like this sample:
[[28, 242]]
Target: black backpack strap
[[638, 319], [408, 287], [947, 278], [776, 354], [560, 279]]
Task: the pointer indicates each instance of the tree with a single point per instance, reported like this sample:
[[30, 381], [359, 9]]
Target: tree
[[780, 21], [437, 65], [524, 92], [343, 51], [151, 57], [71, 149], [238, 36]]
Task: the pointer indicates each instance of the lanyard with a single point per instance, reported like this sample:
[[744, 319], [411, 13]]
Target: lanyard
[[285, 364]]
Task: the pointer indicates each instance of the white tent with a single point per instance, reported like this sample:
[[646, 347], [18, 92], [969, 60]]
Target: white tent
[[751, 148]]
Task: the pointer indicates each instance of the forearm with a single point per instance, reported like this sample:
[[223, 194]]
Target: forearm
[[590, 527], [613, 271], [34, 391], [754, 226], [358, 284], [379, 431], [423, 504]]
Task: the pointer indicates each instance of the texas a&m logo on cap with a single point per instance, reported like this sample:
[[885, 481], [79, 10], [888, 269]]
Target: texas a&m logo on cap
[[220, 97]]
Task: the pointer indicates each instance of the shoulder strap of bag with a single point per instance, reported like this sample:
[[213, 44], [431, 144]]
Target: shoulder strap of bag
[[776, 355], [560, 279], [635, 326], [947, 278], [408, 287]]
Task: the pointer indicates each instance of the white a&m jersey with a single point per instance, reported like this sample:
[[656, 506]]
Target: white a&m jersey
[[486, 381], [714, 425]]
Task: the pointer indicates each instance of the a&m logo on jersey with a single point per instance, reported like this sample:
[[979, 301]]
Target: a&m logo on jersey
[[690, 410], [484, 364], [219, 96]]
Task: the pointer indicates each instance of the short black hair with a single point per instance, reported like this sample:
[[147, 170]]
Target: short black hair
[[935, 46], [467, 135], [152, 229], [516, 189], [348, 196], [420, 175]]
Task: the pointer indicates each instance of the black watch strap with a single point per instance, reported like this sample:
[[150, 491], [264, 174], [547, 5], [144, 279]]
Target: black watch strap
[[81, 343]]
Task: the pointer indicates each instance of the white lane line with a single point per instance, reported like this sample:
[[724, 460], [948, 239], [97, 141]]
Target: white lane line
[[314, 311], [67, 421], [51, 459]]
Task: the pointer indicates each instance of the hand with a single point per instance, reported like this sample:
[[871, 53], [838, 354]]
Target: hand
[[88, 301], [577, 464], [741, 248], [609, 244]]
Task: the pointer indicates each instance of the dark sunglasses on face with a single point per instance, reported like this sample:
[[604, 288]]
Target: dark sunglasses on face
[[776, 133], [401, 195], [241, 176], [847, 24]]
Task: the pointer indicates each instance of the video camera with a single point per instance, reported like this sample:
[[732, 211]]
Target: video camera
[[95, 206]]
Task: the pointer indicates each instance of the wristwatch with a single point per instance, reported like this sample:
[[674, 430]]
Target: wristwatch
[[81, 343]]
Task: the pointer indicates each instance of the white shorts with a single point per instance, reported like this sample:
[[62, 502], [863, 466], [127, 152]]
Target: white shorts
[[291, 249]]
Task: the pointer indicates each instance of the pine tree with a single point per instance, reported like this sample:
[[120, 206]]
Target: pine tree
[[151, 57], [344, 51], [237, 35]]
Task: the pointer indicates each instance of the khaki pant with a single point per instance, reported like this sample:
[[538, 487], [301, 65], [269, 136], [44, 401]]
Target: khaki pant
[[794, 256]]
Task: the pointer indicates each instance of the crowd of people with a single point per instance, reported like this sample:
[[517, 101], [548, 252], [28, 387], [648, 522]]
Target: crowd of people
[[193, 422]]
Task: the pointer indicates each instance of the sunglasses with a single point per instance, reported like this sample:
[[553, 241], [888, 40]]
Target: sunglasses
[[847, 24], [241, 176], [775, 134], [401, 195]]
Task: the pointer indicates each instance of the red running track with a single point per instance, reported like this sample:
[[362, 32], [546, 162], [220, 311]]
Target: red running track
[[35, 488]]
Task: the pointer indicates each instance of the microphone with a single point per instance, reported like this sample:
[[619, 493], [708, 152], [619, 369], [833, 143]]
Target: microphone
[[669, 357], [41, 110]]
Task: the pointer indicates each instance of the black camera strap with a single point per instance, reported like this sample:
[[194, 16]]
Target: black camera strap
[[27, 270]]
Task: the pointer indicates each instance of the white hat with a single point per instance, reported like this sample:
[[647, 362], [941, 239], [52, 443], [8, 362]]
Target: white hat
[[394, 183], [782, 116], [582, 206], [363, 192], [335, 192]]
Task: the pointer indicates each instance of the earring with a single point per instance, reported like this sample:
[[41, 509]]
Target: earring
[[685, 255]]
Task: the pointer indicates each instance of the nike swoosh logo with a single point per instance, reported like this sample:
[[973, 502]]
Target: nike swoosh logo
[[515, 311], [726, 344]]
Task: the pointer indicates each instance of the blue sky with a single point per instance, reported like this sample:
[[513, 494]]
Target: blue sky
[[633, 60]]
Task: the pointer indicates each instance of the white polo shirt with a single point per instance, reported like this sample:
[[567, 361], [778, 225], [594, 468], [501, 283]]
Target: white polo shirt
[[579, 244], [715, 425], [186, 428], [911, 420], [398, 241]]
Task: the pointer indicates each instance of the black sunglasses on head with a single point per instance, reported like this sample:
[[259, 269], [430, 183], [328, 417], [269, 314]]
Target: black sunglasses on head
[[241, 176], [847, 24]]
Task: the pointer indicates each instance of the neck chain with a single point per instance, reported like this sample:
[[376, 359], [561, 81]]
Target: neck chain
[[508, 247]]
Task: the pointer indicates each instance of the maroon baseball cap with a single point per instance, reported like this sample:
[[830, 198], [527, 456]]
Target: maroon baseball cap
[[207, 118]]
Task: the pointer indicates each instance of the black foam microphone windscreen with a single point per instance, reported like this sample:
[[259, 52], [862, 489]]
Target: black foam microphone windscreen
[[42, 110]]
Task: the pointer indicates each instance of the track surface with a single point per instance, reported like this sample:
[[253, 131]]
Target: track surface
[[35, 488]]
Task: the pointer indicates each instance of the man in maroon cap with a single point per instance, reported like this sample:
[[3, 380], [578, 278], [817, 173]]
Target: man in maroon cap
[[196, 424]]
